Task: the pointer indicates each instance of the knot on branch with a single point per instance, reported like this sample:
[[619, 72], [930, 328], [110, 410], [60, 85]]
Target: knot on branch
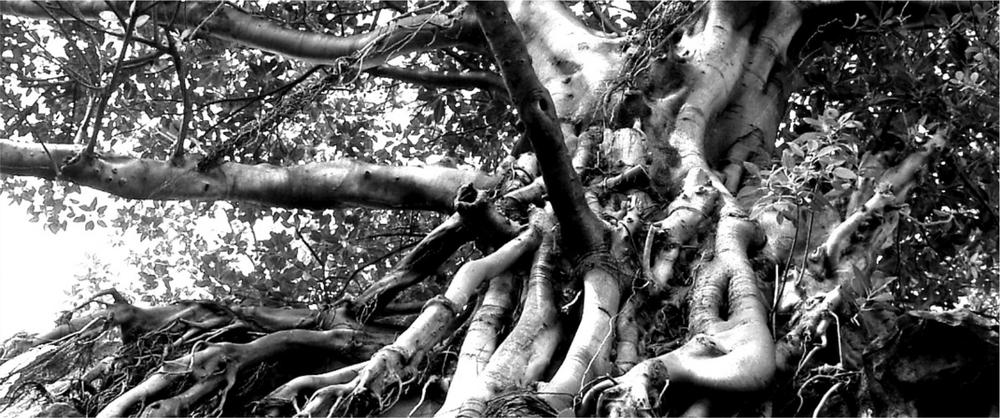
[[468, 198], [403, 352], [537, 99], [450, 305], [77, 164]]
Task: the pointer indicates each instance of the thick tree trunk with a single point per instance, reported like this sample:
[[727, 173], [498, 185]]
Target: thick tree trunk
[[624, 211]]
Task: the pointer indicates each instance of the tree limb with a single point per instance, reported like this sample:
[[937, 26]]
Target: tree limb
[[893, 187], [422, 261], [468, 80], [409, 34], [309, 186], [581, 229]]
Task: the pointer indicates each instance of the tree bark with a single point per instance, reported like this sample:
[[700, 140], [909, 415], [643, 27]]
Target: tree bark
[[309, 186]]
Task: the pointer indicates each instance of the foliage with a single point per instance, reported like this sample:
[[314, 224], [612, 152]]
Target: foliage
[[851, 99], [238, 251], [885, 92], [857, 109]]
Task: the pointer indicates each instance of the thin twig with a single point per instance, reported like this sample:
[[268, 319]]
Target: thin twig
[[350, 278], [779, 285], [275, 90], [115, 73], [202, 23], [320, 261], [826, 397], [178, 154]]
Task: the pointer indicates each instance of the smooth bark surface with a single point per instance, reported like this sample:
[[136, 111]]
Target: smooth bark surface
[[657, 284], [309, 186]]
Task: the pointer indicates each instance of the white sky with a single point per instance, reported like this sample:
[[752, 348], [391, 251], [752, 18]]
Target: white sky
[[37, 267]]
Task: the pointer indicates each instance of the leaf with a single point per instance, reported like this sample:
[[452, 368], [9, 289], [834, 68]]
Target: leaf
[[796, 149], [813, 122], [809, 136], [787, 160], [829, 149], [844, 173]]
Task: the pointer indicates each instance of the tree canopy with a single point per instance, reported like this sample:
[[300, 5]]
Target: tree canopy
[[512, 208]]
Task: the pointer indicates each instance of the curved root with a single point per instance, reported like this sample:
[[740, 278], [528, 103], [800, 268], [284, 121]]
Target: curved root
[[634, 394]]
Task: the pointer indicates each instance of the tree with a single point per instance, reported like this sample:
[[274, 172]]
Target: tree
[[634, 209]]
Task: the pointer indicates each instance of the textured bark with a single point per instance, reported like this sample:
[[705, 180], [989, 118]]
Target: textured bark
[[623, 189], [309, 186], [215, 368], [222, 21]]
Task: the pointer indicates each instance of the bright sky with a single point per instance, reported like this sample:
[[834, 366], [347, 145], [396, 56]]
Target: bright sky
[[37, 267]]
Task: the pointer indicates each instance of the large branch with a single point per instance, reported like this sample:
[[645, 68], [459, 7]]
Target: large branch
[[581, 229], [394, 365], [222, 21], [893, 188], [422, 261], [308, 186]]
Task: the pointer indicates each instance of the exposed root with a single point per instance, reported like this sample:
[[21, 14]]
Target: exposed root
[[809, 326], [278, 402], [422, 261], [589, 354], [637, 393], [730, 351], [524, 355], [520, 403], [684, 217], [381, 381], [627, 335], [216, 367], [481, 339]]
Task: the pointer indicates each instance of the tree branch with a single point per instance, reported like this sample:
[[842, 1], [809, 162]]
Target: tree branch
[[409, 34], [309, 186], [893, 188], [177, 156], [468, 80], [422, 261], [606, 22], [582, 231], [115, 79]]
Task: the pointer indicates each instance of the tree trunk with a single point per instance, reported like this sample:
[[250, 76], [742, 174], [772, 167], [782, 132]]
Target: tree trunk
[[628, 271]]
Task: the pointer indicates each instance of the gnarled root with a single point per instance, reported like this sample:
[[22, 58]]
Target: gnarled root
[[727, 353], [637, 393], [278, 401], [216, 367], [685, 215], [523, 356], [381, 381]]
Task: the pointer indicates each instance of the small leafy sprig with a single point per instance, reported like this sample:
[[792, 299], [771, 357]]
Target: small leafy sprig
[[821, 163]]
